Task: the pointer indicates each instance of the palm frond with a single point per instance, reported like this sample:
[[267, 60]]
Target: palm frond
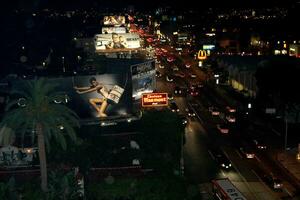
[[10, 104], [6, 135], [40, 108]]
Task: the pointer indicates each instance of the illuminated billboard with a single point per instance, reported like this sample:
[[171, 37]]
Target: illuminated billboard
[[113, 29], [208, 47], [143, 78], [114, 20], [115, 42], [104, 97], [155, 99]]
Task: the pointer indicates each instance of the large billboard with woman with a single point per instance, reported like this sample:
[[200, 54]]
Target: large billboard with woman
[[106, 96]]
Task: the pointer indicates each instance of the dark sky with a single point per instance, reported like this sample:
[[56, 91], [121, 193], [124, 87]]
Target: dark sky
[[201, 4]]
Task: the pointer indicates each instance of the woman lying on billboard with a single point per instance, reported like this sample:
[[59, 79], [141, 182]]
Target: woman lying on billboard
[[108, 96]]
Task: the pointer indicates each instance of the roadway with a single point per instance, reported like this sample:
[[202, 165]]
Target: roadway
[[201, 135]]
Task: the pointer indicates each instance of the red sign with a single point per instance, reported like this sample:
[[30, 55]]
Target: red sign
[[155, 99]]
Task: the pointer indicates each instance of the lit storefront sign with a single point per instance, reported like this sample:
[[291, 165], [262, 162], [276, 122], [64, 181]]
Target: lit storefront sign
[[202, 55], [155, 99]]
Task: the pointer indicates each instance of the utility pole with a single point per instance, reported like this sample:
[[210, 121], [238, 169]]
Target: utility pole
[[286, 128], [286, 132], [181, 157]]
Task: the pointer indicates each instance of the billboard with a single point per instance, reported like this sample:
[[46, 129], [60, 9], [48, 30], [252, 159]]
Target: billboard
[[115, 42], [106, 96], [114, 20], [106, 30], [143, 78], [155, 99]]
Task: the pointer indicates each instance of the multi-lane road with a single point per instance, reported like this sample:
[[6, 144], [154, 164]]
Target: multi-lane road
[[201, 136]]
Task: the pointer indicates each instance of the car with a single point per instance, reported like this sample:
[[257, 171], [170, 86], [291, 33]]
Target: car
[[187, 65], [164, 50], [273, 182], [161, 66], [175, 68], [170, 97], [214, 111], [184, 120], [170, 59], [177, 90], [230, 118], [174, 107], [221, 159], [194, 92], [169, 78], [190, 112], [193, 75], [230, 109], [259, 143], [199, 85], [247, 151], [223, 128], [158, 74]]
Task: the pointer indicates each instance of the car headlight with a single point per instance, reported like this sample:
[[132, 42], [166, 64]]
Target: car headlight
[[223, 165], [229, 165]]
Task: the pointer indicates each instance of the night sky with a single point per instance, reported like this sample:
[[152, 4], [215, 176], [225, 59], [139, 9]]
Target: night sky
[[119, 4]]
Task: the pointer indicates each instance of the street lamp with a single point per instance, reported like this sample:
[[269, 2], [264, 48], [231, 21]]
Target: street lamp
[[181, 157], [63, 62]]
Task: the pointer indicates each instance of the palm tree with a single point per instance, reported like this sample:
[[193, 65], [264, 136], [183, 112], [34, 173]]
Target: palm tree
[[36, 108]]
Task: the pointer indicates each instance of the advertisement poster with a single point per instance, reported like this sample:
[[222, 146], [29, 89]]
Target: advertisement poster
[[143, 78], [105, 96], [106, 30], [117, 42], [114, 20]]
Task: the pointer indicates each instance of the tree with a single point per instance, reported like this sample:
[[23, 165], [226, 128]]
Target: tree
[[39, 113]]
